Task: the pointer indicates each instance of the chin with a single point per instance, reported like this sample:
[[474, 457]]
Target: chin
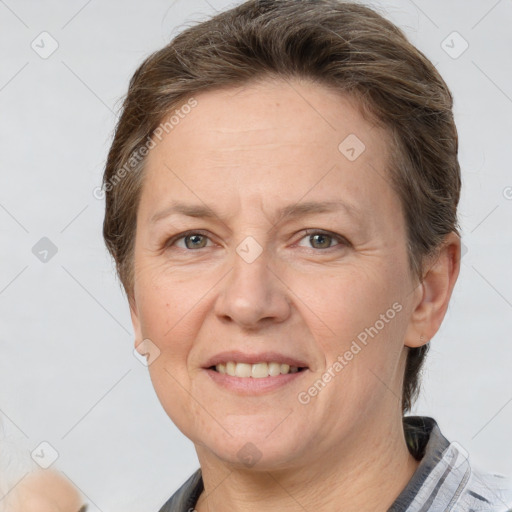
[[255, 444]]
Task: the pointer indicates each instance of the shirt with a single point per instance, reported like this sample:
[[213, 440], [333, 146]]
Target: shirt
[[444, 481]]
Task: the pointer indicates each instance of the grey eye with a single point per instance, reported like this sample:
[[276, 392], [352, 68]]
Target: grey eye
[[323, 240], [197, 241]]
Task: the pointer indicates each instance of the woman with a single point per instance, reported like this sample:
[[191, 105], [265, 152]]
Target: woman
[[281, 204]]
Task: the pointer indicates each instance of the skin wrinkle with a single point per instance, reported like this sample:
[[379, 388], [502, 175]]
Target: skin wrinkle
[[359, 234], [347, 445]]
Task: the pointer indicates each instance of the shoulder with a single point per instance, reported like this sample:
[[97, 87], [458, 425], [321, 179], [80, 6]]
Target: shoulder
[[487, 491], [447, 478], [474, 488]]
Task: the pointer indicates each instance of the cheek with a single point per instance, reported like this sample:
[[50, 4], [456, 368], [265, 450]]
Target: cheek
[[356, 320], [168, 309], [344, 304], [171, 316]]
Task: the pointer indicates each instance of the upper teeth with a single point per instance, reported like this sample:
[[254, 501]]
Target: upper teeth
[[256, 370]]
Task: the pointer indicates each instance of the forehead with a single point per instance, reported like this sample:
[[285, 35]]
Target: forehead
[[277, 140], [271, 111]]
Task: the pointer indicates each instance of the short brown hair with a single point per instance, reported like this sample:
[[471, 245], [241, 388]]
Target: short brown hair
[[338, 44]]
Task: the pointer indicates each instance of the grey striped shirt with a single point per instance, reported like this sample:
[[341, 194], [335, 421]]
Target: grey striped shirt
[[444, 481]]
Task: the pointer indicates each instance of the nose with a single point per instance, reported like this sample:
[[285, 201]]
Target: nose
[[252, 295]]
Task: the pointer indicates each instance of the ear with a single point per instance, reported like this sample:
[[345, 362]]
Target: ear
[[434, 293], [134, 313]]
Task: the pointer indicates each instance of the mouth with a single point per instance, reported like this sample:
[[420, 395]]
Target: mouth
[[254, 373], [258, 370]]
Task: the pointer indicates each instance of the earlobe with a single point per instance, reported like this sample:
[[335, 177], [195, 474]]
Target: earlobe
[[434, 293]]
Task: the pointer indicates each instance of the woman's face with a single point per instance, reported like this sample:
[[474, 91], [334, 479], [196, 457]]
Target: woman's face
[[294, 256]]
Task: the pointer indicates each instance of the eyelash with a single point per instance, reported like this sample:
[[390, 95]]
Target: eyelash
[[308, 232]]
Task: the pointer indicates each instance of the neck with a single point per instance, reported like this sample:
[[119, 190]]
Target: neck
[[367, 473]]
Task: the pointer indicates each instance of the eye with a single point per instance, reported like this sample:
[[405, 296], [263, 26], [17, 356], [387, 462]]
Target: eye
[[319, 239], [192, 240], [323, 239]]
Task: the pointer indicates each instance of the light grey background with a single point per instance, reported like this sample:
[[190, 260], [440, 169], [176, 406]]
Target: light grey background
[[67, 372]]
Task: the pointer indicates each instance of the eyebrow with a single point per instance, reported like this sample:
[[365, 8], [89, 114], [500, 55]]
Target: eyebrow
[[291, 211]]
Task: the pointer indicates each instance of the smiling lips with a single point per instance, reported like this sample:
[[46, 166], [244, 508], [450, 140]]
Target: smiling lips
[[256, 370], [254, 374], [257, 366]]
